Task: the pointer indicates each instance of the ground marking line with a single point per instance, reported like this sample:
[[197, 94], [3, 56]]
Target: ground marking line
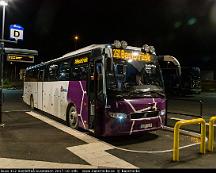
[[89, 139], [156, 152], [193, 134], [93, 152]]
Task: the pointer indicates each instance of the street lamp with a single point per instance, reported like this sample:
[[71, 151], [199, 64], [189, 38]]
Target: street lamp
[[76, 38], [3, 3]]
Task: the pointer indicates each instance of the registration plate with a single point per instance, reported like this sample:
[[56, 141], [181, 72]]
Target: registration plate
[[145, 126]]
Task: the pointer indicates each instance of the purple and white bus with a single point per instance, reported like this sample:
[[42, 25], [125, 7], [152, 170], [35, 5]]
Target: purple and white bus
[[110, 89]]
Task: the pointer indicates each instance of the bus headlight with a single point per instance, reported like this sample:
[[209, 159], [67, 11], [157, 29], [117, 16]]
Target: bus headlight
[[162, 112], [119, 116]]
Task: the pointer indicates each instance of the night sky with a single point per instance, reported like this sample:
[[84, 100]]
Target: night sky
[[185, 29]]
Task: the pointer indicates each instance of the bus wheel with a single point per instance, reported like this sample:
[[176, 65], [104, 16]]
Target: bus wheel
[[31, 103], [73, 117]]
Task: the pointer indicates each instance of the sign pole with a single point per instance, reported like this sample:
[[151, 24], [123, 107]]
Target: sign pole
[[1, 104], [2, 63], [16, 32]]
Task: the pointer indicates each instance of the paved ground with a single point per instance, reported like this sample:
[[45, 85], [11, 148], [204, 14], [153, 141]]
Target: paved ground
[[13, 100], [25, 137], [190, 104], [32, 140]]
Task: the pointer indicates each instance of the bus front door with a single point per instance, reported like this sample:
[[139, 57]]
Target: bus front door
[[96, 98]]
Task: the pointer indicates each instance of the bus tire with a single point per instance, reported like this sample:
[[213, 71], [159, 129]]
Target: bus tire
[[31, 102], [72, 117]]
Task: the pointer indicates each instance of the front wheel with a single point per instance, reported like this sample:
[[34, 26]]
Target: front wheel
[[73, 117]]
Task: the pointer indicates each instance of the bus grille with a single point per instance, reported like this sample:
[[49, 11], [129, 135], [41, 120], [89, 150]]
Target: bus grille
[[146, 114]]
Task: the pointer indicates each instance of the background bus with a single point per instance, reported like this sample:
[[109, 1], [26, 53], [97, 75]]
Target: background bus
[[180, 80], [108, 89]]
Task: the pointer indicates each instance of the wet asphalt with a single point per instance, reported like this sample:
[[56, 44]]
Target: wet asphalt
[[25, 137]]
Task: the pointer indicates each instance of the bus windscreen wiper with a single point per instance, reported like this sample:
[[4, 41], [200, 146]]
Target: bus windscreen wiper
[[148, 91], [159, 92]]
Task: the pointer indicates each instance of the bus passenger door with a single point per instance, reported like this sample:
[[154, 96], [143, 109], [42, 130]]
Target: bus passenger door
[[91, 95], [40, 90], [96, 99]]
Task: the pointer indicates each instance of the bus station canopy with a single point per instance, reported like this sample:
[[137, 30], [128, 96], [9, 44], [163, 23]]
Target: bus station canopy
[[20, 51]]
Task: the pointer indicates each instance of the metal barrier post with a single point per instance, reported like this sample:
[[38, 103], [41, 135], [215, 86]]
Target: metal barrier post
[[211, 134], [201, 108], [176, 135]]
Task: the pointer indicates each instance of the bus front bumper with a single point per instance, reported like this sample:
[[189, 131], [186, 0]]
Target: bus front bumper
[[128, 127]]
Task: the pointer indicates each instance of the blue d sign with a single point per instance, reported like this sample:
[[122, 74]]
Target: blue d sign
[[16, 32]]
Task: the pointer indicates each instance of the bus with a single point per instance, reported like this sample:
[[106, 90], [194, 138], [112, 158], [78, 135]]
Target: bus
[[180, 80], [191, 80], [108, 89]]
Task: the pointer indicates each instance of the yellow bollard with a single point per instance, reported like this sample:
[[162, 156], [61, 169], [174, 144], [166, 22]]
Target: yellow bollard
[[211, 134], [176, 135]]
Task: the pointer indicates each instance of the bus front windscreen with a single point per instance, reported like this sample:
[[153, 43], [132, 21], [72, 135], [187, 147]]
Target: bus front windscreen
[[135, 77]]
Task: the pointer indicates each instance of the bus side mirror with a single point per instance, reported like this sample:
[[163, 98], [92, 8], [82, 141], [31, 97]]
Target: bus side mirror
[[120, 71], [99, 68]]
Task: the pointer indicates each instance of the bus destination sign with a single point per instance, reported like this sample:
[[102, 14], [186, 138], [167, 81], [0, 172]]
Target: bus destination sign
[[81, 60], [20, 58], [131, 55]]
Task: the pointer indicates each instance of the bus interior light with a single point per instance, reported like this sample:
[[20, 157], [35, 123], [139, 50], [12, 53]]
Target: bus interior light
[[117, 44], [124, 44]]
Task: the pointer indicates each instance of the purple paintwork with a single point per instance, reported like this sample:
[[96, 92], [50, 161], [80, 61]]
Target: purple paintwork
[[115, 127], [77, 96], [111, 126]]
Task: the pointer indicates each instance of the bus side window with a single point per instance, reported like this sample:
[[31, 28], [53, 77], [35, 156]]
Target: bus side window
[[53, 69], [80, 73], [46, 74], [41, 76], [99, 80], [27, 76], [84, 72], [75, 73], [64, 71], [34, 75]]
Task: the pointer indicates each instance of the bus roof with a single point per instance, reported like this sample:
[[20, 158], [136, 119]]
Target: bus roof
[[91, 47], [76, 52], [85, 49], [79, 51]]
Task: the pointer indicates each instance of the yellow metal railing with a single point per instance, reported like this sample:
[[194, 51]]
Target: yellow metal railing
[[176, 135], [211, 133]]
